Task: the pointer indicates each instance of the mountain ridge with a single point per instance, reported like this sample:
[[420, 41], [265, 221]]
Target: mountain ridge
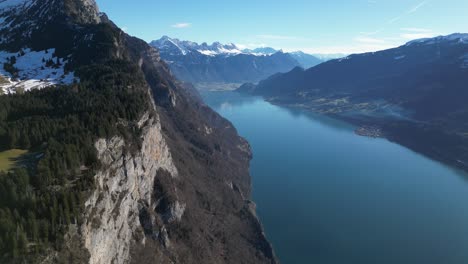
[[221, 64], [128, 166], [182, 47]]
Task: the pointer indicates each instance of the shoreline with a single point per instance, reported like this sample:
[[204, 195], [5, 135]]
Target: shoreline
[[369, 131], [374, 129]]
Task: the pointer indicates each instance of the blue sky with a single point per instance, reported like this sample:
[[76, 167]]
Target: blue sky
[[332, 26]]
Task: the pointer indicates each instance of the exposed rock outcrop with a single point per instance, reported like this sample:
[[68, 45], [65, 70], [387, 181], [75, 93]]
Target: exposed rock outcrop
[[84, 11], [124, 187]]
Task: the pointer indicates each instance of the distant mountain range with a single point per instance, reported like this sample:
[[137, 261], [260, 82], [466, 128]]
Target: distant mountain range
[[227, 63], [331, 56], [416, 94], [175, 47]]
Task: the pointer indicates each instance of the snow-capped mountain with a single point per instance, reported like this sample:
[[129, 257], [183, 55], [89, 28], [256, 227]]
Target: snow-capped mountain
[[434, 60], [226, 63], [456, 38], [331, 56], [261, 51], [171, 46], [175, 47]]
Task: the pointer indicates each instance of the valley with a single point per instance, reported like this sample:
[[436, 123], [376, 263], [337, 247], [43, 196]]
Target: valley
[[327, 195], [413, 94]]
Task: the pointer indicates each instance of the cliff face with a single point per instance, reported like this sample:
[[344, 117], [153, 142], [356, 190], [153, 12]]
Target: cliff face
[[124, 192], [177, 190], [184, 197], [180, 200]]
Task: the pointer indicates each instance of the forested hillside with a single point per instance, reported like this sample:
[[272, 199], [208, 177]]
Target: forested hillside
[[120, 156], [60, 125]]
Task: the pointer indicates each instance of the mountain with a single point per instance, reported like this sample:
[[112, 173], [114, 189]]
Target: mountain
[[218, 63], [261, 51], [327, 57], [416, 94], [306, 60], [175, 47], [121, 163]]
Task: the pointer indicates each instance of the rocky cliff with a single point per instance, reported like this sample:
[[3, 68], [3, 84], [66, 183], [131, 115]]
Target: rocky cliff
[[171, 185], [124, 194]]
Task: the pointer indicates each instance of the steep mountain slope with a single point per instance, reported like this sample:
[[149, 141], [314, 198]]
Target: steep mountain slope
[[126, 165], [219, 63], [416, 93]]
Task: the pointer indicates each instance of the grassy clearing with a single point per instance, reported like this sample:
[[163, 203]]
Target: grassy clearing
[[9, 159]]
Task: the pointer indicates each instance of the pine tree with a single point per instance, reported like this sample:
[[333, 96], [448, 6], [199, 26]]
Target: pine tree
[[13, 243], [22, 242], [25, 143], [13, 139]]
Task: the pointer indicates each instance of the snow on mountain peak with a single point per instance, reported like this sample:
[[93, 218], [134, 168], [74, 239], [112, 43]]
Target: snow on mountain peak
[[178, 47], [173, 46], [459, 37], [263, 51]]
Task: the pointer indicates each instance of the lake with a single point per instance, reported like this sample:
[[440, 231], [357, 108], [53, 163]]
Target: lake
[[328, 196]]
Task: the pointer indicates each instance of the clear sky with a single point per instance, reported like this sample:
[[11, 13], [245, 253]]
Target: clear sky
[[325, 26]]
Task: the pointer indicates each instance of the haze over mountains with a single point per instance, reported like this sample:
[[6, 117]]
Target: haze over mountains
[[415, 93], [227, 63]]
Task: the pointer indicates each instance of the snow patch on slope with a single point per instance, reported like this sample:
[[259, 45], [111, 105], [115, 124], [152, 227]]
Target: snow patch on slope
[[220, 51], [460, 38], [344, 59], [182, 50], [35, 70], [208, 52]]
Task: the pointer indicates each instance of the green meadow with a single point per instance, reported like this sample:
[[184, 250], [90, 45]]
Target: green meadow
[[9, 158]]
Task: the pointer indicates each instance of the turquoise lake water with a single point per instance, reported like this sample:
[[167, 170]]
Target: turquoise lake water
[[328, 196]]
